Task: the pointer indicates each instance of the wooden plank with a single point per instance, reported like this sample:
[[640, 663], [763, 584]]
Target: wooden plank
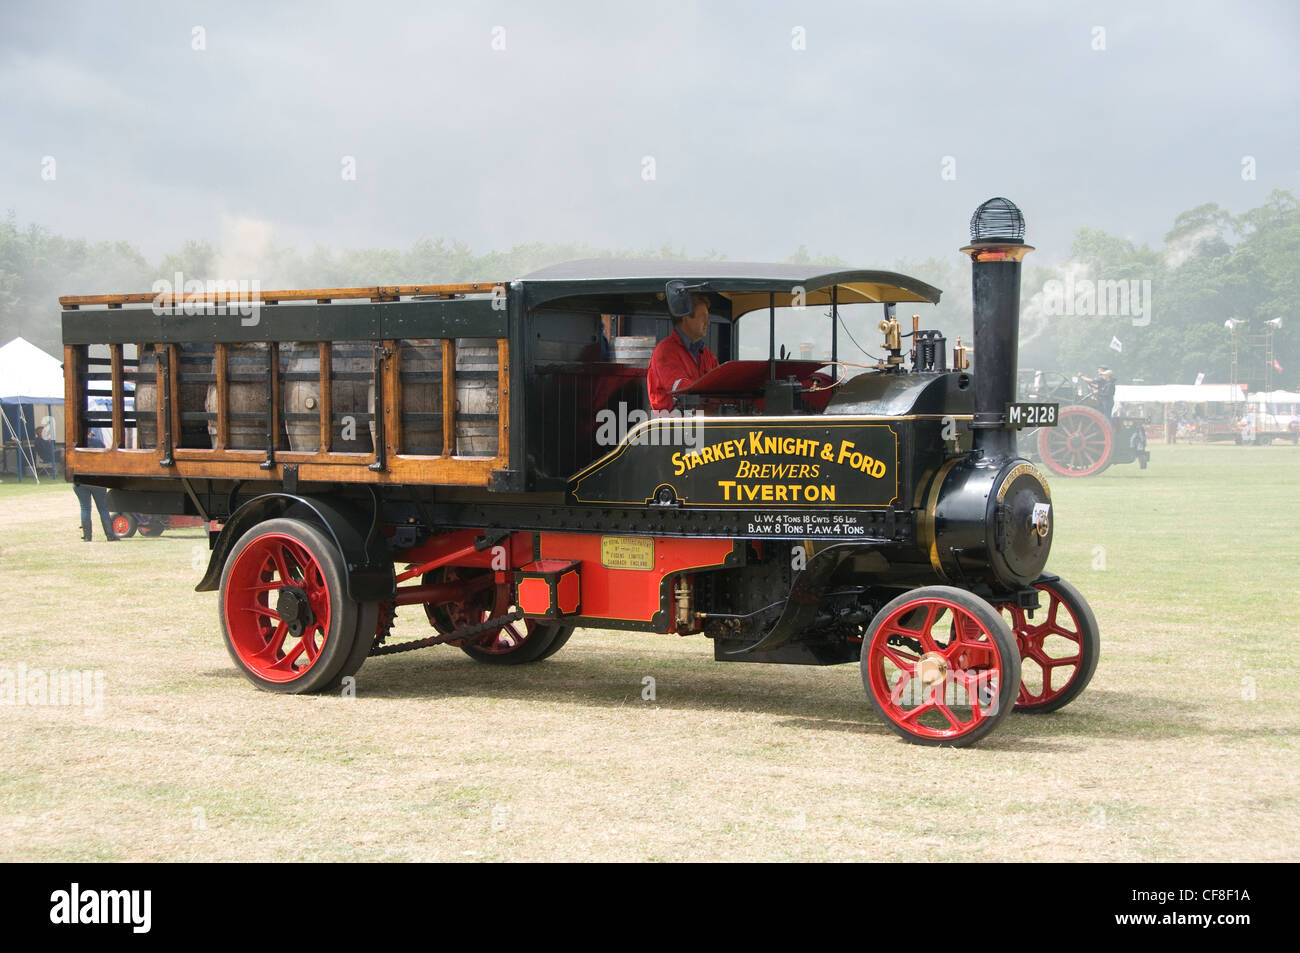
[[503, 397], [392, 409], [219, 465], [118, 398], [324, 295], [74, 398], [326, 394], [448, 397], [158, 398], [221, 366], [277, 425], [173, 364]]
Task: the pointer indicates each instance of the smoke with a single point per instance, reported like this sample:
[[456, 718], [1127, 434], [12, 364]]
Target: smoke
[[246, 250], [1034, 319], [1185, 246]]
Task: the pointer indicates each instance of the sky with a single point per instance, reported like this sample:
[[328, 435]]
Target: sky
[[868, 131]]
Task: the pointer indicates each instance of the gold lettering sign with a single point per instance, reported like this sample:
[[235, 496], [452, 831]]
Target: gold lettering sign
[[627, 552]]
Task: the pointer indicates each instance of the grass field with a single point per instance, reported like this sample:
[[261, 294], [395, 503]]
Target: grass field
[[1185, 747]]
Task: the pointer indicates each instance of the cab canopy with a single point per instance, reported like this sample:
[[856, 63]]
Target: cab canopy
[[742, 286]]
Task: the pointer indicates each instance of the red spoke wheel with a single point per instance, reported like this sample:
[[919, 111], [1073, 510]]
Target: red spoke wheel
[[1079, 445], [516, 643], [940, 666], [124, 525], [285, 612], [1059, 647]]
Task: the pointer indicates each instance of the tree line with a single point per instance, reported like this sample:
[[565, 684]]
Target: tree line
[[1213, 266]]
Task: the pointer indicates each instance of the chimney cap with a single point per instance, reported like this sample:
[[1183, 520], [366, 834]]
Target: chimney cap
[[998, 220]]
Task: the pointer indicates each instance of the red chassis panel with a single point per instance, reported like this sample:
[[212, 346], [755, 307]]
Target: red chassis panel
[[630, 598], [638, 596]]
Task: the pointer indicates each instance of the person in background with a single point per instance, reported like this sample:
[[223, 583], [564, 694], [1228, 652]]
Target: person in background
[[1103, 388], [97, 494], [1138, 442], [682, 358]]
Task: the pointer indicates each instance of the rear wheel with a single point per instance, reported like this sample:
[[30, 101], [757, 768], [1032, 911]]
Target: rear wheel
[[153, 527], [1079, 445], [285, 612], [940, 666], [124, 525], [515, 643]]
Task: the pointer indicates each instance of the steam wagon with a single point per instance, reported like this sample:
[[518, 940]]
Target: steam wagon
[[471, 450], [1084, 440]]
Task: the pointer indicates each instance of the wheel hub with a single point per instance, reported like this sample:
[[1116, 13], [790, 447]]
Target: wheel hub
[[932, 669], [294, 609]]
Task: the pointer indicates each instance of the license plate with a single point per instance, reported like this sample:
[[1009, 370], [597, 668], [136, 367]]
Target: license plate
[[1032, 415]]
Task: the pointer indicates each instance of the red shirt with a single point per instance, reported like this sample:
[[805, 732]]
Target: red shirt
[[672, 366]]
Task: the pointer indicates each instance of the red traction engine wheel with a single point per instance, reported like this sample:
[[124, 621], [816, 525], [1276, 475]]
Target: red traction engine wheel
[[1059, 647], [1079, 445], [515, 643], [940, 666], [285, 612]]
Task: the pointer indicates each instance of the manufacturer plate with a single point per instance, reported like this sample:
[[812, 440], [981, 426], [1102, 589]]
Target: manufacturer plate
[[627, 552]]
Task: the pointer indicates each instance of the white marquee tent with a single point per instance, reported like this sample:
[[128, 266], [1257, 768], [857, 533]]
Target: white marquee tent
[[31, 386]]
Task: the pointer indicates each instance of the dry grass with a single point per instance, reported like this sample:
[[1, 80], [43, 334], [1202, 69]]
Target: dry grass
[[1165, 757]]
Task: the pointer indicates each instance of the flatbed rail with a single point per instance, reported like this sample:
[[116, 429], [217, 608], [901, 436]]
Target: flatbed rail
[[374, 384]]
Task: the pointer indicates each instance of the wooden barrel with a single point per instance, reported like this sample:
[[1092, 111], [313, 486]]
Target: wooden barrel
[[352, 368], [245, 397], [421, 373], [633, 350], [194, 368], [146, 400], [300, 388], [477, 397]]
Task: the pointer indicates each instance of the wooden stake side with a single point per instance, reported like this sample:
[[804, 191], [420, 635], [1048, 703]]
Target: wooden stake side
[[392, 402], [74, 398], [221, 366], [174, 367], [277, 421], [118, 399], [320, 295], [448, 396], [503, 397], [326, 395]]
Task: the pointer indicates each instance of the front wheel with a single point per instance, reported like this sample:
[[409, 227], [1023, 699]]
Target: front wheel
[[940, 666], [1059, 648], [285, 612]]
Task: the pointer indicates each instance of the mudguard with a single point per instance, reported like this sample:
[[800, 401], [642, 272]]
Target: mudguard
[[366, 560]]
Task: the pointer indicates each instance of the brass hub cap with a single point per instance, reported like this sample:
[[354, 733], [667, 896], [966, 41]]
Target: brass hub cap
[[932, 668]]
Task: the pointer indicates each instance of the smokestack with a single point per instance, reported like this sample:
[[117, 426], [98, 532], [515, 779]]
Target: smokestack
[[997, 233]]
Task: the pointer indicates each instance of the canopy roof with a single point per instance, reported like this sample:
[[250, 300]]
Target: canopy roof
[[29, 375], [747, 285], [1173, 393]]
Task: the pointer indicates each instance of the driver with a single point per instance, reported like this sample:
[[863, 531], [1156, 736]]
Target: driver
[[682, 358], [1103, 388]]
